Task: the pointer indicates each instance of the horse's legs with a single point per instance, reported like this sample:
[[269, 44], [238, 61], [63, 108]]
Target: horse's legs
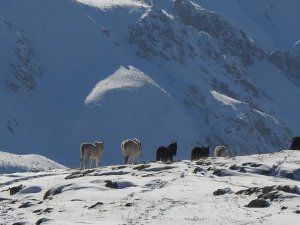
[[97, 163], [81, 163]]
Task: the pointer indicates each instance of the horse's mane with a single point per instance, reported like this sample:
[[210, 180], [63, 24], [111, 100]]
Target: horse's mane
[[173, 146]]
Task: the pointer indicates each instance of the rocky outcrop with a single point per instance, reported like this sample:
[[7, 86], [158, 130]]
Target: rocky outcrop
[[25, 69], [288, 62], [232, 40], [158, 33]]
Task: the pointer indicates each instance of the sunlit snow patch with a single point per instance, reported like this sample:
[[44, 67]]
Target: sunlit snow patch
[[104, 4], [122, 79], [225, 99]]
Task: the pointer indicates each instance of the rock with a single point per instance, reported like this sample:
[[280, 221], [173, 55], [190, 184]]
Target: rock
[[111, 184], [16, 189], [288, 188], [283, 207], [37, 211], [218, 172], [129, 204], [256, 165], [25, 205], [222, 191], [42, 220], [51, 192], [198, 169], [273, 195], [54, 191], [248, 191], [288, 62], [252, 164], [111, 173], [79, 173], [19, 223], [258, 203], [290, 175], [119, 167], [297, 211], [141, 167], [267, 189], [234, 167], [203, 163], [48, 210], [95, 205], [242, 170]]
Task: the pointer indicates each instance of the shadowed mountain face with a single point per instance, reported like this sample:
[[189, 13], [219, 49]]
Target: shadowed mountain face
[[198, 72]]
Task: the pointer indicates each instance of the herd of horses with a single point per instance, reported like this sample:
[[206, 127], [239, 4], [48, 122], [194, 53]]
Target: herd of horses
[[132, 149]]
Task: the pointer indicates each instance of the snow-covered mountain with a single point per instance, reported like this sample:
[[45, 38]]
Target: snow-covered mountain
[[252, 189], [11, 163], [199, 72]]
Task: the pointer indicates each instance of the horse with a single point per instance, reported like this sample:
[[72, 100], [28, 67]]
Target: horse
[[295, 143], [131, 149], [166, 153], [89, 152], [222, 151], [199, 152]]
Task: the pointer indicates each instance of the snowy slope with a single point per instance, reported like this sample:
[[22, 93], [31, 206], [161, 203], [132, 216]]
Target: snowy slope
[[197, 72], [11, 163], [157, 193]]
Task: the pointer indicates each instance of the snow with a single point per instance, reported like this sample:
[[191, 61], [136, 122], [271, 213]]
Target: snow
[[158, 194], [225, 99], [12, 163], [123, 78], [105, 4]]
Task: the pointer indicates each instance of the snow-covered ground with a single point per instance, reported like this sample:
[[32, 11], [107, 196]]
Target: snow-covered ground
[[158, 193]]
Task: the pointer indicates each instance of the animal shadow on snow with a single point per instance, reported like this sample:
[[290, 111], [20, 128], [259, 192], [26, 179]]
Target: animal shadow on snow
[[159, 169]]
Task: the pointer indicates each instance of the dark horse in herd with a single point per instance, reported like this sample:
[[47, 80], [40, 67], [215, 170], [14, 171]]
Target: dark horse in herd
[[199, 152], [166, 153], [295, 143]]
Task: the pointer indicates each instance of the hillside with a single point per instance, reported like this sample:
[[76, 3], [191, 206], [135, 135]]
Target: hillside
[[199, 72], [210, 191], [11, 163]]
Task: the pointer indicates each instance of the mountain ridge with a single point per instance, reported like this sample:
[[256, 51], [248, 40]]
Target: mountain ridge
[[52, 63]]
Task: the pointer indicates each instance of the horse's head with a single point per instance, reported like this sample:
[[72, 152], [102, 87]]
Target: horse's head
[[99, 144], [173, 147]]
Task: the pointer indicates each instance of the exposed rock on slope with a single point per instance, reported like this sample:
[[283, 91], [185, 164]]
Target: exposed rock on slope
[[288, 62], [231, 40]]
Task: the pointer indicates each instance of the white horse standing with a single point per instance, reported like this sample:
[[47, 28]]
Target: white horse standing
[[89, 152], [131, 149], [222, 151]]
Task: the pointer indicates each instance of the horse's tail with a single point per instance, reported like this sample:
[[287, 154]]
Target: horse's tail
[[157, 155]]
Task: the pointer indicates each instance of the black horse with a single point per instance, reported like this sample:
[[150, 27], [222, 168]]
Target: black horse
[[166, 153], [295, 143], [199, 152]]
